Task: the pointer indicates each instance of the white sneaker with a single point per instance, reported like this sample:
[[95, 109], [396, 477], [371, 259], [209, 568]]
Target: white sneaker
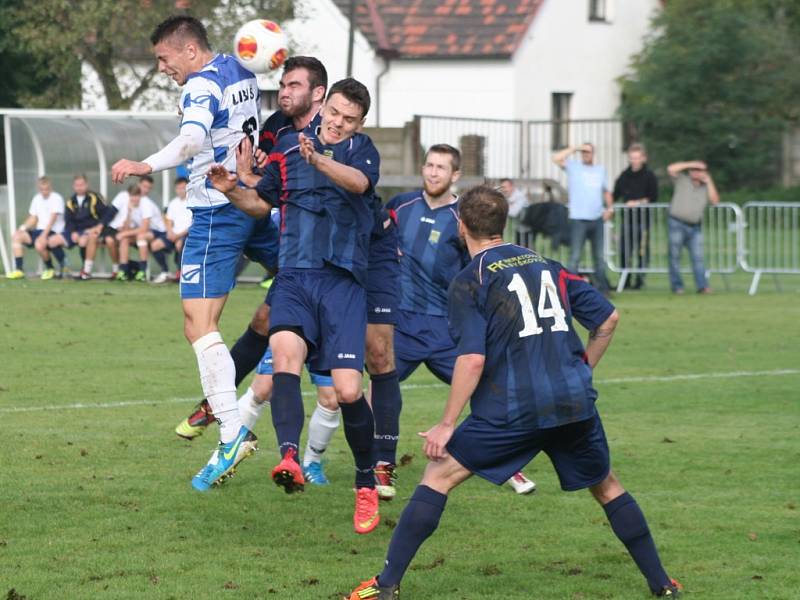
[[521, 484], [162, 277]]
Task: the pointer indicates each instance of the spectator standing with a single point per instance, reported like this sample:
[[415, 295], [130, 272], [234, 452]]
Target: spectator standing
[[590, 205], [694, 189], [42, 229], [636, 187], [85, 210]]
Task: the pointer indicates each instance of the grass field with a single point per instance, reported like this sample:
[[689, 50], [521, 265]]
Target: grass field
[[700, 397]]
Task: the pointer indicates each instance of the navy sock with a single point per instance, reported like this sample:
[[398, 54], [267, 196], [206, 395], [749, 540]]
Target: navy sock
[[161, 259], [419, 520], [126, 268], [247, 352], [143, 266], [49, 263], [18, 263], [630, 526], [386, 405], [58, 252], [359, 430], [83, 254], [287, 411]]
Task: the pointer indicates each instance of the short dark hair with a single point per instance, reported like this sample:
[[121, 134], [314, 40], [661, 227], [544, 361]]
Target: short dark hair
[[507, 180], [317, 75], [355, 91], [81, 176], [484, 211], [134, 190], [181, 180], [455, 155], [146, 178], [183, 27]]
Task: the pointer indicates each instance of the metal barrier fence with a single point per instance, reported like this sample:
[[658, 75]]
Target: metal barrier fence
[[497, 148], [771, 240], [489, 147], [761, 237]]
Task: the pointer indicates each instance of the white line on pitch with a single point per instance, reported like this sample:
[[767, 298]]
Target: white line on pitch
[[421, 386]]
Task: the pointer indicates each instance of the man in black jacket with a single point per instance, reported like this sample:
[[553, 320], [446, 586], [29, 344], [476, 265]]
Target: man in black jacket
[[637, 187], [84, 222]]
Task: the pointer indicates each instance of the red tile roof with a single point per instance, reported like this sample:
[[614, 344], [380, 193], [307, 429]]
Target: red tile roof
[[444, 28]]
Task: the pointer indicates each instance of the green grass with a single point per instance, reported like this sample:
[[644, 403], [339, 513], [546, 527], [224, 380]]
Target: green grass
[[96, 502]]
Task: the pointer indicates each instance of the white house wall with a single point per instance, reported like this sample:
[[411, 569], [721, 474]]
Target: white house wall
[[564, 52]]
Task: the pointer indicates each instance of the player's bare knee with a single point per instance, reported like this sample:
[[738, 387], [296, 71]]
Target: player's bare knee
[[608, 489], [262, 388], [326, 397], [443, 475], [347, 394], [260, 321]]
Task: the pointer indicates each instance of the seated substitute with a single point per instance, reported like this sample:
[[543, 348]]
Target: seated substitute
[[83, 222], [522, 367], [178, 220], [42, 229]]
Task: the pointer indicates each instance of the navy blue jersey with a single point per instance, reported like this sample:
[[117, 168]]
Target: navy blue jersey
[[431, 253], [321, 223], [275, 126], [516, 308]]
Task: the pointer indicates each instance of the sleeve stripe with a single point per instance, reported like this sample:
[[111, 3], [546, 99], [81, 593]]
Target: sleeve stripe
[[198, 123]]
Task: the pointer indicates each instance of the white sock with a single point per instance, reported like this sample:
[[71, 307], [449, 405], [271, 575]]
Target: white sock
[[114, 267], [321, 428], [250, 409], [218, 378], [87, 265]]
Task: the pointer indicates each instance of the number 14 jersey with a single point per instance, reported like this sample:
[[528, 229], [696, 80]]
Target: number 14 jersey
[[515, 307], [223, 100]]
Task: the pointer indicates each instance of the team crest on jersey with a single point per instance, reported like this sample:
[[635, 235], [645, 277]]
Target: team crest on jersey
[[200, 100], [328, 152], [190, 273], [433, 238]]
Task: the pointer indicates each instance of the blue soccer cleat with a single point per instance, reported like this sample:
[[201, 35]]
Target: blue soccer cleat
[[224, 460], [314, 474]]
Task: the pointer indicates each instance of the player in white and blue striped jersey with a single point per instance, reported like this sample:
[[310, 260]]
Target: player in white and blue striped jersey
[[219, 106]]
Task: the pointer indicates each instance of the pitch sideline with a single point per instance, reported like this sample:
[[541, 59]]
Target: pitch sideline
[[419, 386]]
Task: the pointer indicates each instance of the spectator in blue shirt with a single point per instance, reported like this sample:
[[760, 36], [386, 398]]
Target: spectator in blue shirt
[[590, 204]]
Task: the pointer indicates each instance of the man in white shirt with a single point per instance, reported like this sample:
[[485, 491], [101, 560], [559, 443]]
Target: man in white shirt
[[178, 220], [115, 218], [144, 218], [42, 229]]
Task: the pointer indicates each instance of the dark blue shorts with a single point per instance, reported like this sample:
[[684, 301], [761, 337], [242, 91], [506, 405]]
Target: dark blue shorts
[[425, 339], [383, 277], [162, 235], [68, 238], [217, 238], [578, 451], [329, 307], [35, 233]]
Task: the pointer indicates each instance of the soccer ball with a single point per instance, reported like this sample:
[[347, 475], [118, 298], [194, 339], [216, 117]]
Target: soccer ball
[[260, 46]]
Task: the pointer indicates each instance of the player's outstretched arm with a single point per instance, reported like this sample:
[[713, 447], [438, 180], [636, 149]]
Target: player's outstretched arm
[[349, 178], [466, 375], [600, 338], [245, 199], [187, 143]]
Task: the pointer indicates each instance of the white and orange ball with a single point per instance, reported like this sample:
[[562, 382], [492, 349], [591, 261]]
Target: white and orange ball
[[260, 46]]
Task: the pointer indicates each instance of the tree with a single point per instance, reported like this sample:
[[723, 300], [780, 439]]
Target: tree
[[113, 38], [718, 80]]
